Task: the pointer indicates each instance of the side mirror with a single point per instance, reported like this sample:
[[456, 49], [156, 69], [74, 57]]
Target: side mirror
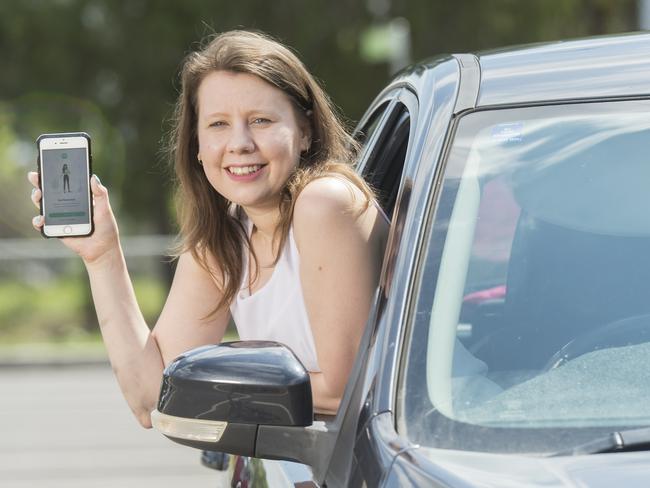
[[216, 397]]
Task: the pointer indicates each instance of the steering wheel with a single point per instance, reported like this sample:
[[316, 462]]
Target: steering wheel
[[623, 332]]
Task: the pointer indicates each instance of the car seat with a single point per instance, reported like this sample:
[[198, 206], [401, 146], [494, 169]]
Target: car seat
[[562, 283]]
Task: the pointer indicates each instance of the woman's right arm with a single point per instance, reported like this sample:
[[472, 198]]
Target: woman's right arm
[[138, 355]]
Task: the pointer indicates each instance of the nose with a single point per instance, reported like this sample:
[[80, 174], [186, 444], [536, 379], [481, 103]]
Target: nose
[[240, 140]]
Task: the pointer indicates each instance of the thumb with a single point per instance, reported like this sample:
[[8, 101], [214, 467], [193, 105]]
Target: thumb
[[97, 188]]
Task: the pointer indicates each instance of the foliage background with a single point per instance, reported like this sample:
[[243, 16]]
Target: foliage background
[[109, 67]]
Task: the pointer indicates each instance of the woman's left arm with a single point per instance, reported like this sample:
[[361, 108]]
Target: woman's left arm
[[341, 244]]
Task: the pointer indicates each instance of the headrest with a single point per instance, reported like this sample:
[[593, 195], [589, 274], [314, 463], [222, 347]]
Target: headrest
[[592, 179]]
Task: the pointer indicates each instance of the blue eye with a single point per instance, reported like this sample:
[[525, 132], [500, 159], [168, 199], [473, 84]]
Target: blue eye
[[261, 120]]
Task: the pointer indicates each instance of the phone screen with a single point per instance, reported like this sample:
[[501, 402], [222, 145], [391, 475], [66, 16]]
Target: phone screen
[[65, 179]]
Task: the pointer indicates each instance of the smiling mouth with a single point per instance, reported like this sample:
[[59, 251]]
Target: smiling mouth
[[244, 170]]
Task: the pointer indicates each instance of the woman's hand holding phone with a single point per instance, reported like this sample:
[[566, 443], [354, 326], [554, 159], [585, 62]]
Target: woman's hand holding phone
[[105, 238]]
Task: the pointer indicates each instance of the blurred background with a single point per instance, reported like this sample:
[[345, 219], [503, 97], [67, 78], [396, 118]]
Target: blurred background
[[110, 68]]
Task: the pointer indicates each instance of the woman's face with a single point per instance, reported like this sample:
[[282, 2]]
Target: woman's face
[[250, 138]]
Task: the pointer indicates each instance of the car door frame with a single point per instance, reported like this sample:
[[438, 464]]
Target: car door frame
[[378, 442]]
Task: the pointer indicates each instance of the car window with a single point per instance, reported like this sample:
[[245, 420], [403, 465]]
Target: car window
[[386, 156], [364, 133], [533, 309]]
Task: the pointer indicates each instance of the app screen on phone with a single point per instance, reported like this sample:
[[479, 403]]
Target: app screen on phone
[[64, 178]]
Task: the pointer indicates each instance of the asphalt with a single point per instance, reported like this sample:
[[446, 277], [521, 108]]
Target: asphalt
[[70, 427], [18, 363], [35, 356]]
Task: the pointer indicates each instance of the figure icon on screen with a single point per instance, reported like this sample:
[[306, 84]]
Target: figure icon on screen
[[66, 178]]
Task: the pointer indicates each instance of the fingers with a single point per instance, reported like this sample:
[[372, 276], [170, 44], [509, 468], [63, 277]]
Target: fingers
[[36, 197], [37, 222], [97, 188], [32, 176]]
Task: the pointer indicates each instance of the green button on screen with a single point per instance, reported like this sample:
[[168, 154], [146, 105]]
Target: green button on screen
[[67, 214]]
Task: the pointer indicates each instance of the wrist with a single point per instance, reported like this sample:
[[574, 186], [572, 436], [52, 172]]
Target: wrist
[[108, 259]]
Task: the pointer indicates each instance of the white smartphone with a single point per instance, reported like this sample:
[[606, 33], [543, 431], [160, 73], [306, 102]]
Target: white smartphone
[[64, 166]]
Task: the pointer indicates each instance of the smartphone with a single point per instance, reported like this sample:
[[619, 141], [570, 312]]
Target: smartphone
[[64, 168]]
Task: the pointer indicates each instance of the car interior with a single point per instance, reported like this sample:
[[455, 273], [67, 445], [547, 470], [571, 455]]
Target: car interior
[[527, 290], [385, 165]]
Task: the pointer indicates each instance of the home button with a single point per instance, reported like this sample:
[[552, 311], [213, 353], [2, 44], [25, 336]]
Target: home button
[[67, 229]]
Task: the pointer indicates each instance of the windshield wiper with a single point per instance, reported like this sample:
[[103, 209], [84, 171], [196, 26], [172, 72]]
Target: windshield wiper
[[621, 441]]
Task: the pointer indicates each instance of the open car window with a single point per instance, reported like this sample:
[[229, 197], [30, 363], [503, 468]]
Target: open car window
[[532, 311], [384, 155]]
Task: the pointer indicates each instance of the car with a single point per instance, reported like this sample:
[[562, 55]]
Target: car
[[509, 341]]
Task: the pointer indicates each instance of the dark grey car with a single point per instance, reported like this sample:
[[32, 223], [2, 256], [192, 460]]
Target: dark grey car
[[509, 344]]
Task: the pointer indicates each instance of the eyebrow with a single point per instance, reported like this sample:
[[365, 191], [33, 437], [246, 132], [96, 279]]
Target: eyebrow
[[249, 112], [215, 114]]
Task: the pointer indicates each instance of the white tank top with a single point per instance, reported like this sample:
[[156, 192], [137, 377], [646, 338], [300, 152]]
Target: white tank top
[[276, 311]]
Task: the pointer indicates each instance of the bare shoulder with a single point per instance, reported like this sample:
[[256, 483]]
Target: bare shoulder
[[328, 197], [329, 208]]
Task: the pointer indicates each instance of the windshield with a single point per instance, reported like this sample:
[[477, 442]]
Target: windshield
[[534, 304]]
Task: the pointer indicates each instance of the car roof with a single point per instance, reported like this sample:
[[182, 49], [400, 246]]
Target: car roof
[[597, 67]]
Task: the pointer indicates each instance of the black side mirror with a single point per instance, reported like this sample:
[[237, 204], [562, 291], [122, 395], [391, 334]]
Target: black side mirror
[[216, 397]]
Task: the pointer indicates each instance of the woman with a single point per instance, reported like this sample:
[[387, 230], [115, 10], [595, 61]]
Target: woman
[[276, 227]]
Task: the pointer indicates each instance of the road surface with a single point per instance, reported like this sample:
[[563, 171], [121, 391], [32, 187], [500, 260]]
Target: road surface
[[69, 427]]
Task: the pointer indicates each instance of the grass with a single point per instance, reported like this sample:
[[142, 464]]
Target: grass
[[56, 318], [60, 310]]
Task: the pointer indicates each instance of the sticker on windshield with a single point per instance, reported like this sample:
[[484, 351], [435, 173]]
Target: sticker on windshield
[[510, 132]]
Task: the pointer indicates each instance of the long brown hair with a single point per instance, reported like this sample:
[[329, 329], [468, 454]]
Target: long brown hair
[[209, 225]]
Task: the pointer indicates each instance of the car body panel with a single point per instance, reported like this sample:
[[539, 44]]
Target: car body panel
[[450, 468], [375, 454], [605, 67], [376, 448]]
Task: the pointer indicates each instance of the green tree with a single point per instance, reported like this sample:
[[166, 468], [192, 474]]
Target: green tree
[[122, 57], [110, 67]]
